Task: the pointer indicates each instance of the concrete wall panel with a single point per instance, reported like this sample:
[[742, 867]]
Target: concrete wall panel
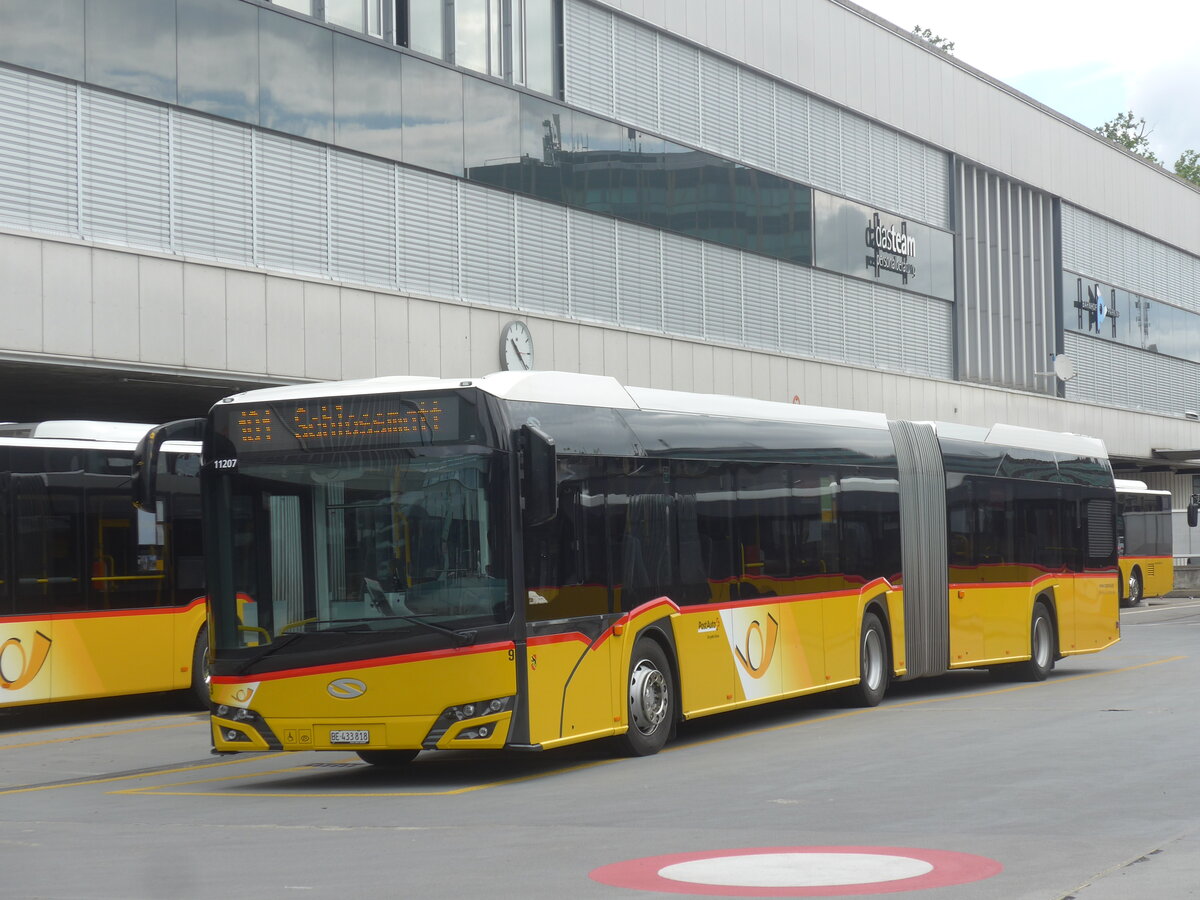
[[204, 317], [160, 310], [424, 342], [322, 328], [115, 324], [21, 289], [391, 335], [357, 326], [285, 327], [246, 321], [67, 300]]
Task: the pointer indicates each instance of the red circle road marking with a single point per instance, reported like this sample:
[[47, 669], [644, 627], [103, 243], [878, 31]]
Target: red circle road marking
[[798, 871]]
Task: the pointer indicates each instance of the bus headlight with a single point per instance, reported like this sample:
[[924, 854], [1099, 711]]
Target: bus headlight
[[454, 714]]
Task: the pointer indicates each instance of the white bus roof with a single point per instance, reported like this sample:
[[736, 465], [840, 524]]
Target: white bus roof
[[575, 389], [1027, 438], [77, 430], [1129, 486]]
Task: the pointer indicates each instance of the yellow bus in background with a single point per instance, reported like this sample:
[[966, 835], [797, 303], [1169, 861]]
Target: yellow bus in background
[[97, 599], [528, 560], [1144, 541]]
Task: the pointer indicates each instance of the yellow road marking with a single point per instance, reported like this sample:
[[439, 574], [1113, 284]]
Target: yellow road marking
[[164, 790], [83, 782], [161, 790], [92, 736]]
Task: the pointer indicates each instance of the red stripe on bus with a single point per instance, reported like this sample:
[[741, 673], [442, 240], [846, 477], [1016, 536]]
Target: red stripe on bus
[[565, 637], [364, 663]]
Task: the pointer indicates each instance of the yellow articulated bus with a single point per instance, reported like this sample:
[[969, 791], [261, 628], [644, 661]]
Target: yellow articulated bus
[[97, 599], [1144, 542], [529, 560]]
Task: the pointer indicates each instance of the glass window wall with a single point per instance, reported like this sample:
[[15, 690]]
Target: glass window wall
[[538, 45], [425, 22], [50, 38], [300, 6], [1099, 309], [218, 58], [367, 102], [129, 45], [433, 116], [296, 77], [346, 13]]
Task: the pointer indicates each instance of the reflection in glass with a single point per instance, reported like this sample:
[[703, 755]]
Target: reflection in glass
[[478, 29], [296, 73], [50, 38], [426, 27], [218, 58], [492, 131], [367, 97], [540, 45], [130, 46], [347, 13], [588, 163], [300, 6], [1130, 319], [433, 116]]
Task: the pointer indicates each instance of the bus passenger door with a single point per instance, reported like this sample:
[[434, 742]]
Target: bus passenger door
[[967, 557]]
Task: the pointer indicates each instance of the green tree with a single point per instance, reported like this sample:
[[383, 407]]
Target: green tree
[[1133, 134], [1130, 133], [1187, 166], [940, 43]]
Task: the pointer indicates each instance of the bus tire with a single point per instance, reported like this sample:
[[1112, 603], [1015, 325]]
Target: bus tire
[[199, 688], [1041, 646], [1133, 588], [650, 698], [388, 759], [874, 670]]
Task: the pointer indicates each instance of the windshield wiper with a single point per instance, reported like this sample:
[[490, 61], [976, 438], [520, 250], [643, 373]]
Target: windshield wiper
[[278, 644], [462, 638]]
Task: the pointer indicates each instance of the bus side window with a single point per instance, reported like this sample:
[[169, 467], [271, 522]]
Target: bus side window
[[48, 567]]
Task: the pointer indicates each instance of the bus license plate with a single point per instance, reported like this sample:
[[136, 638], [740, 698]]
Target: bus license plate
[[350, 737]]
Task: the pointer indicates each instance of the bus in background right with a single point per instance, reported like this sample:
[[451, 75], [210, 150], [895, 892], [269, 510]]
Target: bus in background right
[[1143, 541]]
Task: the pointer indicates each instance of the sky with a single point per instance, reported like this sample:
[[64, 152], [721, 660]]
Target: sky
[[1087, 60]]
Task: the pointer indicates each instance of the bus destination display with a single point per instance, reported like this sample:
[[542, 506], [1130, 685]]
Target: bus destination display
[[345, 422]]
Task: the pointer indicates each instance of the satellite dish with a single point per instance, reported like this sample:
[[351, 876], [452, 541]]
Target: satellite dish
[[1064, 368]]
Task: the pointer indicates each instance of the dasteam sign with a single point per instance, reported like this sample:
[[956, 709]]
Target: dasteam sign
[[891, 250], [900, 253]]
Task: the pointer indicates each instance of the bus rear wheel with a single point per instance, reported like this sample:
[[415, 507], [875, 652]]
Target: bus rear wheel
[[1041, 646], [874, 673], [388, 759], [1133, 588], [199, 687], [651, 700]]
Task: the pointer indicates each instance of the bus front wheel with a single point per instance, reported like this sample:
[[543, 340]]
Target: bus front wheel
[[651, 700]]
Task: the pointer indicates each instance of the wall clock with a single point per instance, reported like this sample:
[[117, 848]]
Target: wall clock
[[516, 347]]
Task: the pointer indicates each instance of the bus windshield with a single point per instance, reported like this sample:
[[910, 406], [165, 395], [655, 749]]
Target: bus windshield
[[378, 541]]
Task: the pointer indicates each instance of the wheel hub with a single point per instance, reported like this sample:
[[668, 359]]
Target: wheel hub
[[647, 697]]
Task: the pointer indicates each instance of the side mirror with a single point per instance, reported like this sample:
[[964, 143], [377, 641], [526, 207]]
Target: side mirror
[[145, 456], [1194, 512], [539, 475]]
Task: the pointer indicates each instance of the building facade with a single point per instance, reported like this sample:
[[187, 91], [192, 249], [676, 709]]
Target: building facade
[[784, 200]]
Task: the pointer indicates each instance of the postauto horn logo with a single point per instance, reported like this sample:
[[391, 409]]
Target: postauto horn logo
[[346, 688], [21, 664]]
